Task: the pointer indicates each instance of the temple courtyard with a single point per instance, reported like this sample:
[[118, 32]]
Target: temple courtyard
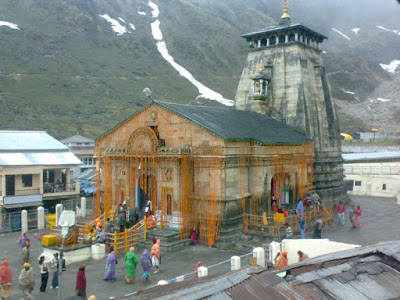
[[379, 222]]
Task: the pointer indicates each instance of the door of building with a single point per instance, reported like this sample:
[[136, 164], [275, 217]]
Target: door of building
[[10, 185]]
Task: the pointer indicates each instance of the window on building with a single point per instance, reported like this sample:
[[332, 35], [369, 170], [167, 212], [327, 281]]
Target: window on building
[[27, 180], [349, 185], [357, 183], [384, 186], [263, 42]]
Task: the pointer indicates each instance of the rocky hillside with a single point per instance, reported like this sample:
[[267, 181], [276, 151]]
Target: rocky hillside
[[68, 66]]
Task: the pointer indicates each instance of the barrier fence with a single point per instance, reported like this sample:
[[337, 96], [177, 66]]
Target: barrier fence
[[274, 224]]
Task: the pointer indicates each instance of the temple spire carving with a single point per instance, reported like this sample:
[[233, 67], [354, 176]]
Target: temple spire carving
[[285, 15]]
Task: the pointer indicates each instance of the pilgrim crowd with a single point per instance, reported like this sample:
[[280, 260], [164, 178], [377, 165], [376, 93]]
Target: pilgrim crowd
[[27, 279]]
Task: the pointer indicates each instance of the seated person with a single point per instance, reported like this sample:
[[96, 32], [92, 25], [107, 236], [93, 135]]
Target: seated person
[[194, 235], [101, 236], [91, 235]]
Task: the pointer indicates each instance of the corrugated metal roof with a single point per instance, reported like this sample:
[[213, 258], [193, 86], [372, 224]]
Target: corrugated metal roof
[[389, 280], [38, 158], [338, 290], [367, 286], [369, 156], [361, 273], [28, 140]]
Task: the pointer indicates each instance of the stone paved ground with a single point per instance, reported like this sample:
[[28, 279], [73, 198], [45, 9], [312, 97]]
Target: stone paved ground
[[380, 222]]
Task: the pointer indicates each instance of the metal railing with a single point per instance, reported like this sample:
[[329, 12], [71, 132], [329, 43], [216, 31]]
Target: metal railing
[[63, 187], [25, 192], [218, 268], [274, 225], [11, 221]]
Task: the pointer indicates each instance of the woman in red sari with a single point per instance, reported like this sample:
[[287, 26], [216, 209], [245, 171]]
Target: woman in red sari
[[358, 216], [80, 287]]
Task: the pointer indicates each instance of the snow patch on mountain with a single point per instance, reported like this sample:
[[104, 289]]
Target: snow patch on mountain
[[141, 13], [348, 92], [155, 29], [8, 24], [115, 25], [356, 30], [341, 33], [204, 91], [383, 99], [155, 11], [132, 26], [122, 20], [392, 67], [389, 30]]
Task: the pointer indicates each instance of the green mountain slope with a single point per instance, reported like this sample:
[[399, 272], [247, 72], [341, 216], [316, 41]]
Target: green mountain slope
[[66, 70]]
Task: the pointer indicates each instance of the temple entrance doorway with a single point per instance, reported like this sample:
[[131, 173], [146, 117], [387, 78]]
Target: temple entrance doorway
[[280, 188]]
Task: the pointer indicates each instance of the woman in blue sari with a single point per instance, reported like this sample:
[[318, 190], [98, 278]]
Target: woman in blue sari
[[110, 273]]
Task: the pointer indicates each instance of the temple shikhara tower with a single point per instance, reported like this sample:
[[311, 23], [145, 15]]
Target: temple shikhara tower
[[284, 78]]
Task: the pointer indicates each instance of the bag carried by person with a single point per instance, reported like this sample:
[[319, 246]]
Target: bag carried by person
[[45, 268]]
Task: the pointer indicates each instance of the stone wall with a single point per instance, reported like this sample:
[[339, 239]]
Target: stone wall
[[299, 95]]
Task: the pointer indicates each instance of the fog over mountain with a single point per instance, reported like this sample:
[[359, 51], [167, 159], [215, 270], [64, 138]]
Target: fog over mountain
[[70, 66]]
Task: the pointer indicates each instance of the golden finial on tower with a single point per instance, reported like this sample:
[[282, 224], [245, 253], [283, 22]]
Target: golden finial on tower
[[285, 11], [261, 67]]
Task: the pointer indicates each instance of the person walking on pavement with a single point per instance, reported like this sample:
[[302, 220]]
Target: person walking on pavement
[[358, 216], [318, 227], [5, 279], [110, 272], [302, 227], [44, 274], [145, 261], [23, 239], [131, 261], [80, 286], [341, 212], [55, 266], [25, 253], [156, 256], [26, 279]]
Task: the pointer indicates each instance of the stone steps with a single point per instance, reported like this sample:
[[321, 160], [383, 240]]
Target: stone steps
[[170, 240]]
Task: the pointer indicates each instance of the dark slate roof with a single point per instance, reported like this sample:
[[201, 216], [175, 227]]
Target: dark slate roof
[[234, 125], [238, 125], [370, 272], [279, 28]]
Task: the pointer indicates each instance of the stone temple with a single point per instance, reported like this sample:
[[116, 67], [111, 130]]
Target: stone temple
[[220, 168], [284, 78]]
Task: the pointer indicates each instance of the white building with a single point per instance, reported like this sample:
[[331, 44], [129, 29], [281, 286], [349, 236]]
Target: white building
[[34, 171], [373, 174]]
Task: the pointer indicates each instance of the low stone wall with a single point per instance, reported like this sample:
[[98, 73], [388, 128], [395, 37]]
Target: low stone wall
[[312, 248]]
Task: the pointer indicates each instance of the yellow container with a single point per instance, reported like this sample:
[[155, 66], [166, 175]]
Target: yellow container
[[279, 218], [49, 240]]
